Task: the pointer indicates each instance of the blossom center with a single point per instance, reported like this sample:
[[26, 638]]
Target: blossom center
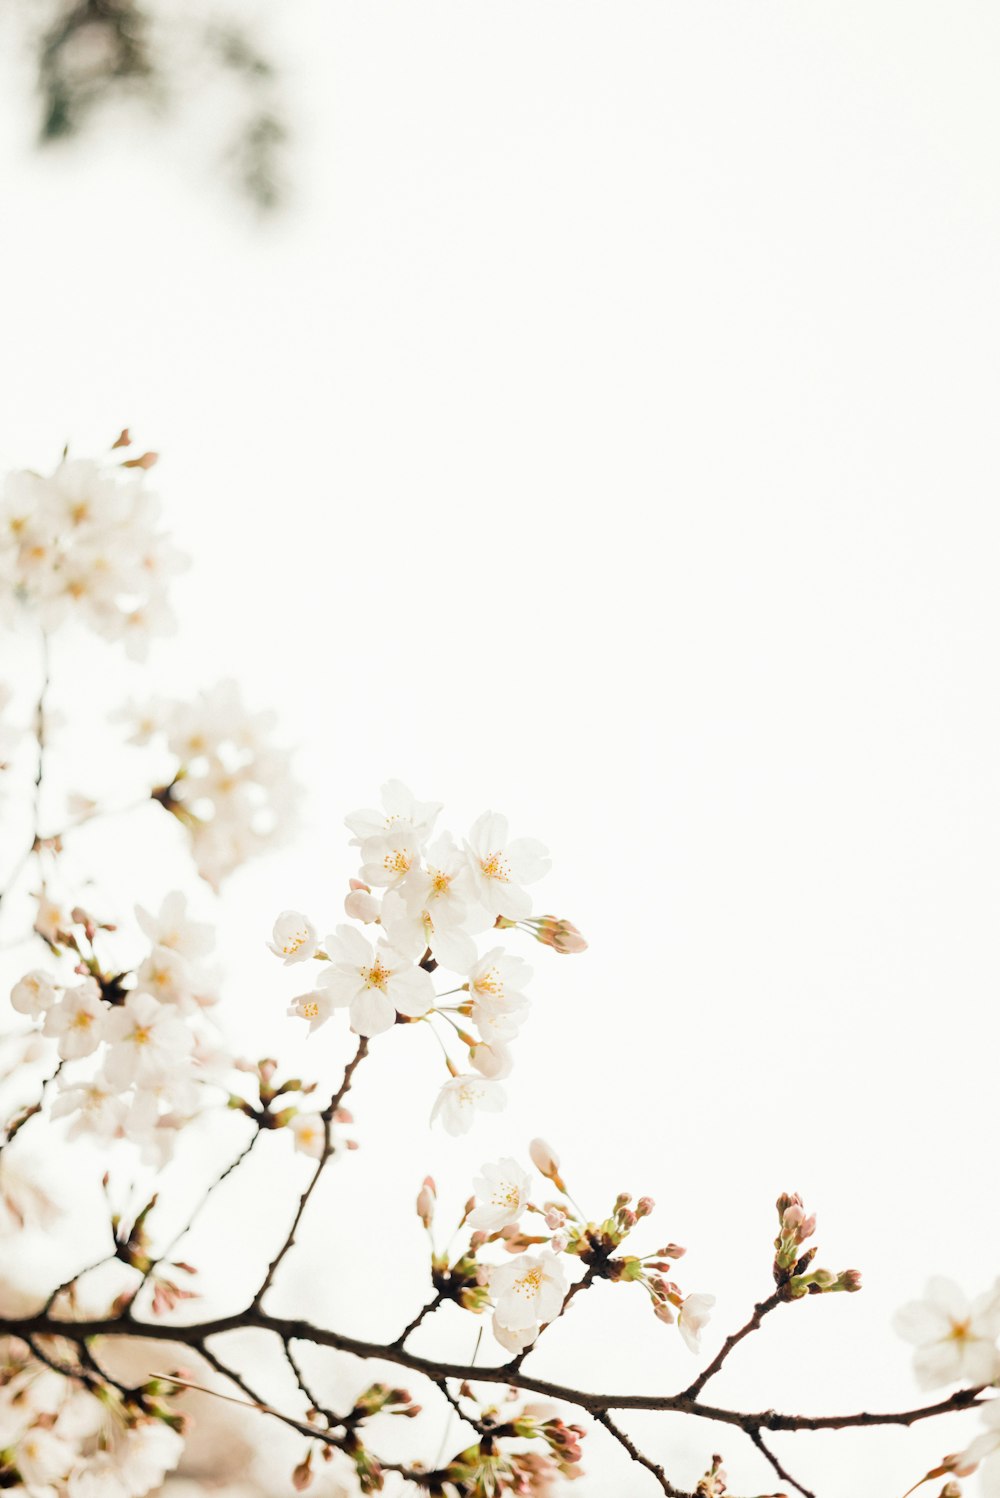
[[376, 976], [529, 1284], [494, 867]]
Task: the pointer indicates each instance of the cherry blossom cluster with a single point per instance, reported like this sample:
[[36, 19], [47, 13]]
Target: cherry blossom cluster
[[85, 543], [63, 1439], [433, 900], [134, 1057], [533, 1289], [226, 779]]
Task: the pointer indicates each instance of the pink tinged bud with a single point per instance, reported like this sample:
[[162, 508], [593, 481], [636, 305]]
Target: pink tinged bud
[[544, 1159], [425, 1204], [671, 1251], [662, 1312], [561, 935], [361, 905], [559, 1242], [555, 1218], [644, 1206], [303, 1475]]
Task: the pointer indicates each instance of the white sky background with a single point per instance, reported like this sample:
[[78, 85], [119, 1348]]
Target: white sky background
[[603, 436]]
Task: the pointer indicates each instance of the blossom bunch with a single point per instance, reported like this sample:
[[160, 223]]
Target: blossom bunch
[[60, 1439], [133, 1056], [434, 900], [85, 543], [227, 781]]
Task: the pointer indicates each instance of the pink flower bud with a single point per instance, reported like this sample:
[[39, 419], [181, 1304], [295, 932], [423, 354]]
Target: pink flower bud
[[561, 935], [544, 1159], [644, 1206], [559, 1242], [361, 904], [425, 1202], [662, 1312]]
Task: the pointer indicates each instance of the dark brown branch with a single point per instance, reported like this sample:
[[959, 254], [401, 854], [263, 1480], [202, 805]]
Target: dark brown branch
[[785, 1475], [426, 1310], [255, 1319], [666, 1486]]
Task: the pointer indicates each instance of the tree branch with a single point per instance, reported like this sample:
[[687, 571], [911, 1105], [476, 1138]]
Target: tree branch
[[328, 1150]]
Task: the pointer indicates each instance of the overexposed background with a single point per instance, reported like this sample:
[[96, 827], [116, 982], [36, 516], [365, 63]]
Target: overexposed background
[[605, 434]]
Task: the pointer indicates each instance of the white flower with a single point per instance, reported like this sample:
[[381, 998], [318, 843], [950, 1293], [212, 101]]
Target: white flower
[[309, 1132], [42, 1458], [499, 867], [985, 1448], [146, 1041], [93, 1108], [85, 543], [146, 1453], [166, 975], [78, 1020], [491, 1060], [171, 928], [387, 859], [460, 1097], [514, 1339], [294, 937], [956, 1339], [373, 982], [527, 1293], [502, 1192], [229, 784], [400, 808], [693, 1315], [495, 989], [414, 932], [316, 1007], [34, 994], [443, 889]]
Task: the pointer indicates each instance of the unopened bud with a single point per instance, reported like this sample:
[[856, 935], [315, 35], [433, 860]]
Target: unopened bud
[[546, 1162], [561, 935], [303, 1474], [426, 1197], [644, 1206], [361, 904]]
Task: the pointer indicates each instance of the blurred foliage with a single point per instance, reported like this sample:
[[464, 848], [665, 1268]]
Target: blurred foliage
[[165, 57]]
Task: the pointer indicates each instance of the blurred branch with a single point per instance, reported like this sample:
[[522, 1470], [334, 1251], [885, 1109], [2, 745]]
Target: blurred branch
[[95, 52]]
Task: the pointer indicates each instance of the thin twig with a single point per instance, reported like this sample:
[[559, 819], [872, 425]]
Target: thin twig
[[785, 1476], [666, 1486], [328, 1150], [760, 1310]]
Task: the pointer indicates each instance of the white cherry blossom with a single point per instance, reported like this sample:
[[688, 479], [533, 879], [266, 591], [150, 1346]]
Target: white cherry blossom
[[500, 868], [172, 928], [93, 1108], [146, 1041], [692, 1317], [293, 938], [309, 1132], [400, 808], [373, 982], [461, 1096], [316, 1007], [496, 983], [502, 1192], [527, 1293], [985, 1448], [34, 994], [955, 1338], [78, 1020]]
